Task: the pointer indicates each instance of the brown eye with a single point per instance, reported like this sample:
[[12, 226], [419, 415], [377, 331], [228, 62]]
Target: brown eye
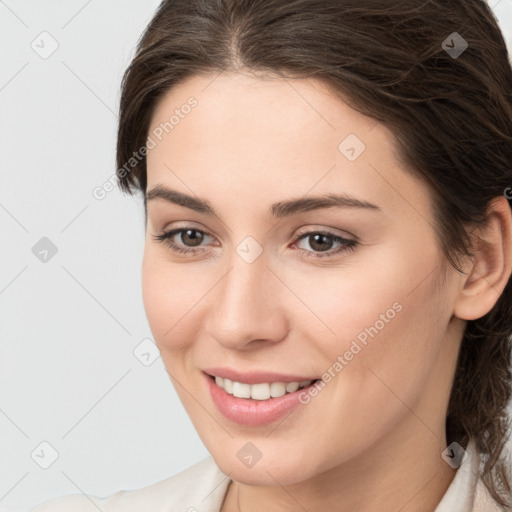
[[191, 238], [189, 241], [320, 242]]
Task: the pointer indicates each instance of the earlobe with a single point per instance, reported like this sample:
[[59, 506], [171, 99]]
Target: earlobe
[[490, 267]]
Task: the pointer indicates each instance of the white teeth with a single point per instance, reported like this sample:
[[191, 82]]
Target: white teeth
[[228, 386], [292, 386], [241, 390], [279, 389], [262, 391]]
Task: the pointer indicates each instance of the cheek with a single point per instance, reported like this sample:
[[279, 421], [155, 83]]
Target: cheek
[[389, 363], [389, 317], [170, 294], [376, 364], [358, 300]]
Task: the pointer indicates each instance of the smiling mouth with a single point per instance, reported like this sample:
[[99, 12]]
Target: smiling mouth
[[261, 391]]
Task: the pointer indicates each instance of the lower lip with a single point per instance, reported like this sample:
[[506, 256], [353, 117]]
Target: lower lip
[[246, 411]]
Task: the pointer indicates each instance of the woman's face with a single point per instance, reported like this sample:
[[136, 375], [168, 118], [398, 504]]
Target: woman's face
[[342, 289]]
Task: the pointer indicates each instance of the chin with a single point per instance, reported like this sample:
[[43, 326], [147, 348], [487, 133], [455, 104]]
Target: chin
[[280, 469]]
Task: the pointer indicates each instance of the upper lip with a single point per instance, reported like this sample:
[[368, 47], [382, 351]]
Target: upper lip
[[255, 377]]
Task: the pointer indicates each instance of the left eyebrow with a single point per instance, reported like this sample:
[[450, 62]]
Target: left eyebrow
[[304, 204], [278, 210]]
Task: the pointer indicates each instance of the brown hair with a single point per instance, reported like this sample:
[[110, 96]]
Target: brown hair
[[451, 116]]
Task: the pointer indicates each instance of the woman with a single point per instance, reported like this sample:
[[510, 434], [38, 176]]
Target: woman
[[328, 251]]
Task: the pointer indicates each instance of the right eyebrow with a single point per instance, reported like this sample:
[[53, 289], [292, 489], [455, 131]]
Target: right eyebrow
[[175, 197]]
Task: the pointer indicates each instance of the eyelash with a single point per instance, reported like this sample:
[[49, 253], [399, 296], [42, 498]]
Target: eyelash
[[347, 245]]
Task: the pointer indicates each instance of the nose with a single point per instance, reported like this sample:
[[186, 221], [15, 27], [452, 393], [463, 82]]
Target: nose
[[247, 310]]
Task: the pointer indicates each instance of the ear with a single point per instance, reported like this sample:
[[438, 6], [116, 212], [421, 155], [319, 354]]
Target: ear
[[489, 270]]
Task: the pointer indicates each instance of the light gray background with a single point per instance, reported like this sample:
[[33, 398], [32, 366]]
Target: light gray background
[[68, 374]]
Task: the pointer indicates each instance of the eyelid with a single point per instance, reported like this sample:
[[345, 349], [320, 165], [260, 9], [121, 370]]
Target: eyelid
[[327, 230]]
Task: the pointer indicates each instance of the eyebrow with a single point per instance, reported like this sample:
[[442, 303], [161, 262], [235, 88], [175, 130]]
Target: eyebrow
[[278, 210]]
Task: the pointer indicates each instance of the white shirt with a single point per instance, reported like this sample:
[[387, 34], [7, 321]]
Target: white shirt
[[202, 487]]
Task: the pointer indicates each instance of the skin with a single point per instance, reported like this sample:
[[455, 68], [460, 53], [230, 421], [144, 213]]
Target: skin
[[372, 438]]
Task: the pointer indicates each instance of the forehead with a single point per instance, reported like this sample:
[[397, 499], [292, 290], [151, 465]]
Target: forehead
[[262, 105], [261, 137]]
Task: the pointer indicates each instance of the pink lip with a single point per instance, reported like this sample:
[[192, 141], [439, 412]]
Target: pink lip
[[255, 377], [246, 411]]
